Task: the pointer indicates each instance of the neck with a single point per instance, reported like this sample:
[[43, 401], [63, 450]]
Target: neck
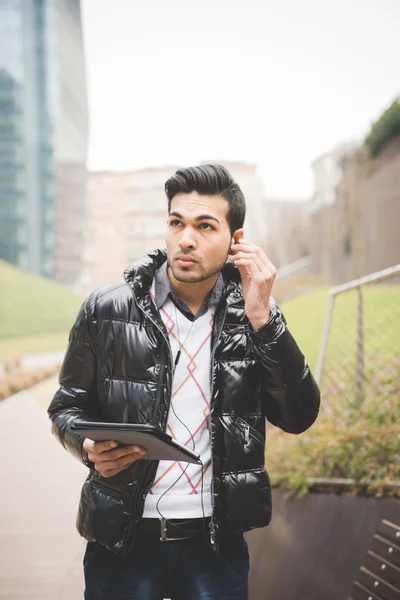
[[192, 294]]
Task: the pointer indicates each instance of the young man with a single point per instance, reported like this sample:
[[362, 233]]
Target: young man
[[192, 343]]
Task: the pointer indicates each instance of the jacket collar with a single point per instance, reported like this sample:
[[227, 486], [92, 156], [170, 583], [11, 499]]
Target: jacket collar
[[139, 275]]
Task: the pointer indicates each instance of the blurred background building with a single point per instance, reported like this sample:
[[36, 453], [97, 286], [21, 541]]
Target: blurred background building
[[247, 176], [147, 209], [285, 235], [44, 129], [126, 216], [347, 229]]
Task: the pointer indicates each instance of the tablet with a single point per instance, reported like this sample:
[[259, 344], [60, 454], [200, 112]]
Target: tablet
[[158, 444]]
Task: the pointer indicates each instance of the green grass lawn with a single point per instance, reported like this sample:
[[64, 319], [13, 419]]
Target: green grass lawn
[[47, 342], [31, 306], [305, 317]]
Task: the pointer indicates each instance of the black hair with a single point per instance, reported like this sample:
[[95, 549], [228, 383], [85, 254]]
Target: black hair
[[210, 180]]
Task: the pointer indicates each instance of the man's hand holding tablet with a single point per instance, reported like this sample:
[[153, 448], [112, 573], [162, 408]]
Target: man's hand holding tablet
[[109, 458]]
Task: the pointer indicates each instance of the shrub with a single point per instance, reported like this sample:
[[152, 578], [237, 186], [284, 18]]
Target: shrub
[[16, 380], [384, 130], [360, 444]]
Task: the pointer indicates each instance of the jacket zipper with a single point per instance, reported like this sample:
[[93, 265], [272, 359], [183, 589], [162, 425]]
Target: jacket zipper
[[159, 390], [213, 539], [248, 430], [114, 494], [160, 387], [162, 366]]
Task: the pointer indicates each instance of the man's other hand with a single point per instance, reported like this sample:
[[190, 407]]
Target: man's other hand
[[109, 458]]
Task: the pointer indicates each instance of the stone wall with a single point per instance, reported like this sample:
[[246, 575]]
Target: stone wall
[[358, 234]]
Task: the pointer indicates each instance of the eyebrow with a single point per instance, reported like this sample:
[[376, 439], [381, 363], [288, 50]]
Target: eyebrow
[[206, 217]]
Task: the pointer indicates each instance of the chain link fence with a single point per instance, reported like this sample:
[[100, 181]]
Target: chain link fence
[[359, 357]]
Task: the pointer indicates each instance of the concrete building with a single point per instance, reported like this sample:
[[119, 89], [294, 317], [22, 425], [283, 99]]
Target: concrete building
[[327, 173], [286, 229], [70, 146], [246, 175], [105, 254], [147, 209], [355, 213], [328, 216], [43, 127], [127, 214]]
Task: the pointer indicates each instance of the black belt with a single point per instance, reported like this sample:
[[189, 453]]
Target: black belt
[[173, 529]]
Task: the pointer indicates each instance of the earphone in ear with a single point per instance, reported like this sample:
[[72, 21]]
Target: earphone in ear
[[230, 249]]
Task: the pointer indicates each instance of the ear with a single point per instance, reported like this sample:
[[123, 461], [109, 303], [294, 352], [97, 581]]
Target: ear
[[237, 235]]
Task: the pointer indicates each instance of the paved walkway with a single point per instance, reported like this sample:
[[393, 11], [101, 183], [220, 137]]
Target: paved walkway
[[40, 550]]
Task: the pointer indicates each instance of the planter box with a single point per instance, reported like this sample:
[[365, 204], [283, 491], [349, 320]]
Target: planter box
[[314, 546]]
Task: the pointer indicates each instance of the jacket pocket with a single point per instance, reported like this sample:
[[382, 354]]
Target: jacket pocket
[[249, 431], [102, 516], [245, 500], [242, 445]]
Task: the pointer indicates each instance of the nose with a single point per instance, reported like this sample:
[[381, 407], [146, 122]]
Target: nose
[[187, 240]]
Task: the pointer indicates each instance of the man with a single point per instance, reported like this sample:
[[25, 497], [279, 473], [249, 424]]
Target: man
[[192, 343]]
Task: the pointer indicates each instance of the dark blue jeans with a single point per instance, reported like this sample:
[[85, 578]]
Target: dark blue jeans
[[180, 570]]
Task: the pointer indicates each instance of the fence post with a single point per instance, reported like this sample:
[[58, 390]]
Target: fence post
[[324, 339], [359, 368]]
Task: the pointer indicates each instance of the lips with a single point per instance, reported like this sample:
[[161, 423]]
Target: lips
[[185, 260]]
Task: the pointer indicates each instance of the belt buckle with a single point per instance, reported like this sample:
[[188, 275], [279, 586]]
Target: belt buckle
[[164, 537]]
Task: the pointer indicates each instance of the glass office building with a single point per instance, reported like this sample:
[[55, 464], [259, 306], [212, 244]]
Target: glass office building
[[43, 136]]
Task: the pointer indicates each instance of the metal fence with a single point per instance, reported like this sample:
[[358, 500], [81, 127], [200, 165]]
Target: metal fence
[[359, 356], [295, 278]]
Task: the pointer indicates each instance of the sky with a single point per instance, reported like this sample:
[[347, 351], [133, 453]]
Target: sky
[[273, 82]]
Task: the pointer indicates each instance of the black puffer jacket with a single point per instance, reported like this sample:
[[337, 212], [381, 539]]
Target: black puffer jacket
[[118, 369]]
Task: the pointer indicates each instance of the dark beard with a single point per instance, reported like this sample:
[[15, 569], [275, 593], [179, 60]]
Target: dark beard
[[214, 270]]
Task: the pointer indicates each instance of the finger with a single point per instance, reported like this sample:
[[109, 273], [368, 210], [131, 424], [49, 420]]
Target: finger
[[256, 268], [118, 452], [116, 467], [248, 268], [253, 257], [245, 251], [126, 450], [251, 248], [241, 247], [264, 258], [98, 447], [263, 267], [267, 272], [118, 455], [110, 473], [125, 461], [244, 254]]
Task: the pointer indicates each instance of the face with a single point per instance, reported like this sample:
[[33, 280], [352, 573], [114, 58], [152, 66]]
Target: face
[[198, 236]]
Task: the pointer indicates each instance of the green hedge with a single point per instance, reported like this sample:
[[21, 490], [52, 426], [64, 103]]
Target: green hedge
[[384, 130]]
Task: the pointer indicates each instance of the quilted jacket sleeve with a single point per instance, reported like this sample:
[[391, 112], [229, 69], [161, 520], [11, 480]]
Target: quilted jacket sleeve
[[291, 396], [76, 397]]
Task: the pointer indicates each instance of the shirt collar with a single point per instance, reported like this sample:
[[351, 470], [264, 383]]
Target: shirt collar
[[162, 288]]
